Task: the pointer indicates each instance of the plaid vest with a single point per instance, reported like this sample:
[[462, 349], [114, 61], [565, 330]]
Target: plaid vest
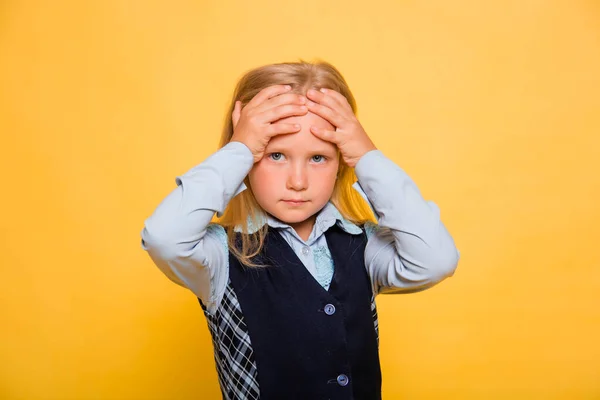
[[278, 334]]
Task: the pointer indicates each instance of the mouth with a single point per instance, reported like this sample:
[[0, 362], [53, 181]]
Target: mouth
[[293, 202]]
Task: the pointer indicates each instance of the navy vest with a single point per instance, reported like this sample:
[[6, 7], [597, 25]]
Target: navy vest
[[306, 342]]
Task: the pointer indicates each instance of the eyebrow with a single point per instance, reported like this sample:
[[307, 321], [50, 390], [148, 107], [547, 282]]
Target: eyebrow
[[317, 151]]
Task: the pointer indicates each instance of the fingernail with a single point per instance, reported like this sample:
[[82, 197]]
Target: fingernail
[[323, 90]]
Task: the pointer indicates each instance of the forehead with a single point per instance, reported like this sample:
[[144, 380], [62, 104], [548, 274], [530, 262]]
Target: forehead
[[304, 140]]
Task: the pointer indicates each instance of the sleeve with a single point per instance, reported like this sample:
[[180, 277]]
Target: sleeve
[[178, 235], [409, 249]]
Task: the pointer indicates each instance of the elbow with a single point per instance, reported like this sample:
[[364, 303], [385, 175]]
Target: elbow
[[158, 247], [444, 265]]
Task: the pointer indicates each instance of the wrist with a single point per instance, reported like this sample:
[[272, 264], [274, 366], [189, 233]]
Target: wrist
[[365, 150], [368, 161], [241, 148]]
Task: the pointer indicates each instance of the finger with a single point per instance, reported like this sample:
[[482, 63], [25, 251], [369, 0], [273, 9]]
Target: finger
[[237, 110], [284, 111], [286, 98], [340, 106], [340, 98], [325, 134], [327, 113], [267, 93], [281, 128]]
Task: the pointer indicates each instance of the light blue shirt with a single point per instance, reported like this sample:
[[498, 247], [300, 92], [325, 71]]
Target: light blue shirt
[[314, 252], [408, 250]]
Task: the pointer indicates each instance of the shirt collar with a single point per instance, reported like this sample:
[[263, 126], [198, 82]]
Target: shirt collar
[[326, 218]]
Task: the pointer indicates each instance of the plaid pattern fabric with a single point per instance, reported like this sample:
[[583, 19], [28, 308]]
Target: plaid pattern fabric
[[375, 319], [233, 351], [234, 356]]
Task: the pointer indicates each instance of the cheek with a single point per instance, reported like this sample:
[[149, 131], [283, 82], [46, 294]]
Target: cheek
[[326, 178], [261, 180]]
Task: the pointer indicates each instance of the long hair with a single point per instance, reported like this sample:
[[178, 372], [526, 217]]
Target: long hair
[[244, 209]]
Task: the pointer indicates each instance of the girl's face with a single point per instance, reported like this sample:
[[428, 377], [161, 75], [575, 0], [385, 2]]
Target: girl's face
[[297, 174]]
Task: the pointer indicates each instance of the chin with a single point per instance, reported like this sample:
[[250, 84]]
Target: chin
[[292, 217]]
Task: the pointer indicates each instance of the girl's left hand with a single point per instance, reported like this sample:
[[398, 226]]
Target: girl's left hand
[[349, 135]]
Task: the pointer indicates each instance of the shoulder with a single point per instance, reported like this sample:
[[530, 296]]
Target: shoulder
[[369, 228], [372, 229], [376, 232]]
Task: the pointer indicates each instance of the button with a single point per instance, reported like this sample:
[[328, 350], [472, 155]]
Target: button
[[329, 310], [305, 250], [342, 380]]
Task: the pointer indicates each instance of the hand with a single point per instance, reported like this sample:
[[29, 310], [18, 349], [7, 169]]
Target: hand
[[253, 125], [349, 135]]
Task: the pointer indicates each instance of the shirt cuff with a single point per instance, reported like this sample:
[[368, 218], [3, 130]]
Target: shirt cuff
[[224, 172], [369, 165], [356, 186]]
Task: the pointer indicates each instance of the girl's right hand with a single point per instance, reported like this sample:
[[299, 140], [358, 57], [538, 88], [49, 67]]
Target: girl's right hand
[[253, 125]]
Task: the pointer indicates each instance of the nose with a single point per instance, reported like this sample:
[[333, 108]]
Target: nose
[[297, 177]]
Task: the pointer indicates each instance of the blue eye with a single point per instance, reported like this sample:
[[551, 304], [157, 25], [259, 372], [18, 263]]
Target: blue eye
[[318, 159], [276, 156]]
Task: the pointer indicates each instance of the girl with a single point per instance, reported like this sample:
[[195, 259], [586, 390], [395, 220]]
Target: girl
[[288, 273]]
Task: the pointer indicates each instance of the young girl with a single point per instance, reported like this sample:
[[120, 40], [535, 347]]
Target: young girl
[[288, 274]]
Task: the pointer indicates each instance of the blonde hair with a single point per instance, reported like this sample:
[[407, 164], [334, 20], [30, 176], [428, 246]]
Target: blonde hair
[[244, 208]]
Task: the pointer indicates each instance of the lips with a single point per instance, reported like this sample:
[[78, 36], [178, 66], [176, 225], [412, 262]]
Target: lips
[[294, 202]]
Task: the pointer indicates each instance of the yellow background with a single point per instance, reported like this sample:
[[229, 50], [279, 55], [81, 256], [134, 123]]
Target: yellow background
[[492, 107]]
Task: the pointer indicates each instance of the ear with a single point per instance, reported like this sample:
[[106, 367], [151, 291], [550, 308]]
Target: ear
[[237, 111]]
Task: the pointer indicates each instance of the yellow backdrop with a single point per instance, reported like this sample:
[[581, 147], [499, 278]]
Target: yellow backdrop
[[492, 107]]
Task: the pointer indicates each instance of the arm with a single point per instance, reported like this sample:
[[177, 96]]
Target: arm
[[178, 236], [410, 249], [175, 235]]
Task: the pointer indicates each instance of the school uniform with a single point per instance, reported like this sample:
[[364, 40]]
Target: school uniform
[[281, 334], [306, 326]]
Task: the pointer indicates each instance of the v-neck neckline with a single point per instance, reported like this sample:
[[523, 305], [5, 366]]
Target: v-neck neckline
[[294, 260]]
